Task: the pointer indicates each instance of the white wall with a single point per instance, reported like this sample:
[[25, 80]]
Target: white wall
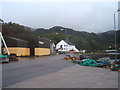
[[65, 46], [72, 47]]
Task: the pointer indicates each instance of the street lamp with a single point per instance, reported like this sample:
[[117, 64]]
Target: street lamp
[[115, 33]]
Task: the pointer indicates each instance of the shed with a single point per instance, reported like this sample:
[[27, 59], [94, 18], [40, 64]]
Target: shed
[[15, 42]]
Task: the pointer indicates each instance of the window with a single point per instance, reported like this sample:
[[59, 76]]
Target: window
[[60, 46]]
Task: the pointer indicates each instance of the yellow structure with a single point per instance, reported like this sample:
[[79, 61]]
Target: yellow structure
[[42, 51], [18, 51], [26, 51]]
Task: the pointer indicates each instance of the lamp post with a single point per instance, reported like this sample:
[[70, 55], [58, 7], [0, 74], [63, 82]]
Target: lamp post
[[66, 34], [115, 32]]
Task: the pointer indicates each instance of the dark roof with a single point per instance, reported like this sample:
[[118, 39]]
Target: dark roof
[[69, 42], [43, 39], [15, 42], [17, 39]]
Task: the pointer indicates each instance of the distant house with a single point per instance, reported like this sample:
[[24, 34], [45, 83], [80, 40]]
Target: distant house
[[66, 46]]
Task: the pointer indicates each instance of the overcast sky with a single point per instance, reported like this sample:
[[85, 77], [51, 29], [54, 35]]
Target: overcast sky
[[83, 16]]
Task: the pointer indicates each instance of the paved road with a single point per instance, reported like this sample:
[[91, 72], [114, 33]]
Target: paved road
[[28, 68], [75, 76], [52, 72]]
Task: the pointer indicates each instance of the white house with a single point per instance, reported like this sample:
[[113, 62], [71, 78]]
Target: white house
[[65, 46]]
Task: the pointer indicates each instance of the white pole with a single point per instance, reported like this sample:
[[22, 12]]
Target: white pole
[[0, 45], [4, 43]]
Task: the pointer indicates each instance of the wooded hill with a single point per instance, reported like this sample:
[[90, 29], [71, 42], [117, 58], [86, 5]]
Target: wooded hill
[[82, 40]]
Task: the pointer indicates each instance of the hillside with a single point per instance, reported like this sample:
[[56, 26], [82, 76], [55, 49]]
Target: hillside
[[15, 30], [110, 37], [82, 40]]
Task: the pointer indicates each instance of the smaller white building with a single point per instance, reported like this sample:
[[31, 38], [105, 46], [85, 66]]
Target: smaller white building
[[64, 46]]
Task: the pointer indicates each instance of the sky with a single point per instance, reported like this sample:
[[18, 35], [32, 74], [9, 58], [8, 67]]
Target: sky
[[91, 16]]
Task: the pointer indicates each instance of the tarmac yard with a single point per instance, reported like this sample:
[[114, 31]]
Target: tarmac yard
[[53, 72]]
